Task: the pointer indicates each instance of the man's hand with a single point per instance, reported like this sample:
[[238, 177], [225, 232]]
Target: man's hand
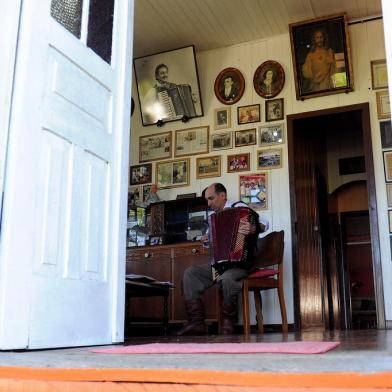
[[246, 228]]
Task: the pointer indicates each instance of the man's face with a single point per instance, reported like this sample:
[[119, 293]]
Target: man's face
[[216, 201], [318, 38], [228, 82], [163, 74]]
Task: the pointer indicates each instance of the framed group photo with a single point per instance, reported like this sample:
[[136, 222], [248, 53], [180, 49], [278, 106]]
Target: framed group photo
[[248, 114], [321, 56], [191, 141], [155, 147], [270, 134], [208, 166], [238, 162], [245, 137], [379, 74], [269, 78], [172, 74], [171, 174], [221, 140], [140, 174], [222, 118], [274, 110], [254, 190], [269, 159], [229, 86]]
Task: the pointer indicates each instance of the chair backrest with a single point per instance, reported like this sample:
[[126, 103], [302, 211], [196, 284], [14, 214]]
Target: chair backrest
[[270, 250]]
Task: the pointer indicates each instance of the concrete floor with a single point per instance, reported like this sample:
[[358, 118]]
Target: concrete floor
[[363, 351]]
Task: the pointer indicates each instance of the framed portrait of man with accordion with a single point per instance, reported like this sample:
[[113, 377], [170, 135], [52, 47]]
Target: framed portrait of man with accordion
[[168, 86]]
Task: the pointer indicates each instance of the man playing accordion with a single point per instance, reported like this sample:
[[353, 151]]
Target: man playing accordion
[[228, 275]]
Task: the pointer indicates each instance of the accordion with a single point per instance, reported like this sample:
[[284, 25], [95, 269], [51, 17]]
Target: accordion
[[177, 101], [229, 248]]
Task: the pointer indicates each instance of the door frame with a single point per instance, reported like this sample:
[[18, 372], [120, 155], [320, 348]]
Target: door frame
[[363, 108]]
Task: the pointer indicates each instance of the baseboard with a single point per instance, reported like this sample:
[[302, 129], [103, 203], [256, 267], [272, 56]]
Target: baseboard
[[388, 324]]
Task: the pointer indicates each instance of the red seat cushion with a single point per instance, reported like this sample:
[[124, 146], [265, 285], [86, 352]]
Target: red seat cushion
[[264, 273]]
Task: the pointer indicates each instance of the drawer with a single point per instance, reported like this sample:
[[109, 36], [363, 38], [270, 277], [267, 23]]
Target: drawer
[[195, 250], [148, 254]]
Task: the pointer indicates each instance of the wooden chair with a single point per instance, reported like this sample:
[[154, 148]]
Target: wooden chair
[[269, 275]]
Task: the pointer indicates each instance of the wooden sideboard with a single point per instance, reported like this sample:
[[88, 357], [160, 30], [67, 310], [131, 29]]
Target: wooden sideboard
[[168, 263]]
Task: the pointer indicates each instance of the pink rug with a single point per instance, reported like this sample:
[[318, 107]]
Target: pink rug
[[223, 348]]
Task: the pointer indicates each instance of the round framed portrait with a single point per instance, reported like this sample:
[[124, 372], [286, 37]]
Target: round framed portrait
[[229, 86], [268, 79]]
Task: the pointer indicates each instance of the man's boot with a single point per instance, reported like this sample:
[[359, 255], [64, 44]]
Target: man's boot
[[229, 310], [196, 316]]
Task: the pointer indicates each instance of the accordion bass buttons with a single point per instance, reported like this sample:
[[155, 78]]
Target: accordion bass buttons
[[194, 251], [147, 255]]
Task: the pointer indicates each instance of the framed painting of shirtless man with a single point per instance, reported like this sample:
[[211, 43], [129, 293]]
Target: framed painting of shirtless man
[[321, 56]]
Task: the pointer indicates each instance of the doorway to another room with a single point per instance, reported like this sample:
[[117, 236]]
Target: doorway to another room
[[336, 255]]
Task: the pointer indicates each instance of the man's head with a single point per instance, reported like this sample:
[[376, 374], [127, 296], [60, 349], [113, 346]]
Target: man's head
[[318, 38], [216, 196], [161, 73], [228, 81]]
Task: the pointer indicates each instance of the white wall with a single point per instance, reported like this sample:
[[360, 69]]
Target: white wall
[[367, 43]]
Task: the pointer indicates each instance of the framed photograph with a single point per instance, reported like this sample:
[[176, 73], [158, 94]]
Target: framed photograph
[[270, 134], [168, 86], [379, 74], [388, 165], [155, 147], [238, 162], [248, 114], [268, 79], [208, 166], [274, 110], [321, 56], [222, 118], [389, 195], [269, 159], [390, 220], [146, 191], [386, 134], [245, 137], [383, 105], [229, 86], [254, 190], [191, 141], [172, 174], [221, 140], [140, 174], [137, 193]]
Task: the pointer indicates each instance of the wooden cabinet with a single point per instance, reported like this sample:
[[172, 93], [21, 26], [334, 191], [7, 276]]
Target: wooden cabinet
[[168, 263]]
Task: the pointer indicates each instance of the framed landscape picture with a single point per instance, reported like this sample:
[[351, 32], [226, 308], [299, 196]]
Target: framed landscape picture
[[238, 162], [379, 74], [270, 134], [208, 166], [269, 159], [245, 137], [248, 114], [140, 174], [168, 86], [383, 104], [155, 147], [321, 56], [171, 174], [221, 140], [191, 141], [222, 118], [254, 190]]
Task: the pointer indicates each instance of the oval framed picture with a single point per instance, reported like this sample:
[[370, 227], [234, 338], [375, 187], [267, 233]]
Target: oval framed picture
[[229, 86], [268, 79]]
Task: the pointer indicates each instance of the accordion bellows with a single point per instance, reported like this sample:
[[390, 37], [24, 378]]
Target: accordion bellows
[[226, 244]]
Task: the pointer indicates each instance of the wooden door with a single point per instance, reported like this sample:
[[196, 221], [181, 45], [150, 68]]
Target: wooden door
[[66, 182]]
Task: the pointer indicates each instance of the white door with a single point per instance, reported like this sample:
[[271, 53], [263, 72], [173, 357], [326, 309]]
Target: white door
[[62, 254]]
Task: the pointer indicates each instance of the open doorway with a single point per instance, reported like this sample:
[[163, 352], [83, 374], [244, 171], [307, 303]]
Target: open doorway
[[332, 200]]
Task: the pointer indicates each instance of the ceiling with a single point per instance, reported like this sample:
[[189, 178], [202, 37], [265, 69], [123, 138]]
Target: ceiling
[[162, 25]]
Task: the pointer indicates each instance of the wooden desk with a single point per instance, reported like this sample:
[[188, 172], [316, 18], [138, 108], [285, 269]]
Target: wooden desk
[[135, 289]]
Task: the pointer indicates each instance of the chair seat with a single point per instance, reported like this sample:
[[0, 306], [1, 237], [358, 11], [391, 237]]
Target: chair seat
[[264, 273]]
